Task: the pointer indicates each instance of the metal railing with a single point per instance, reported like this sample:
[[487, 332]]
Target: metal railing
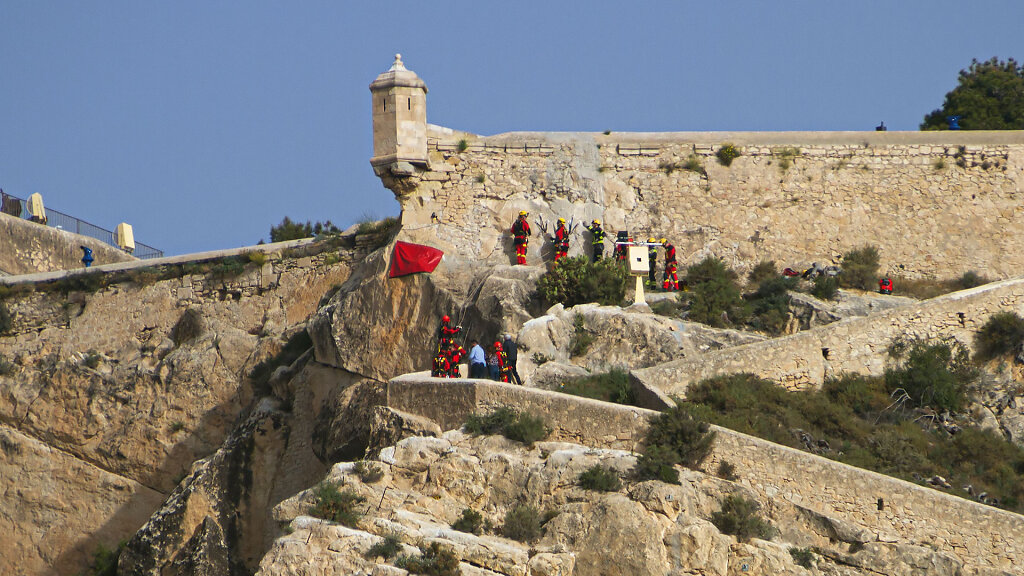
[[17, 207]]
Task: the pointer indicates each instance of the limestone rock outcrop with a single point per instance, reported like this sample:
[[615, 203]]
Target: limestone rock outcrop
[[380, 327], [618, 338], [643, 528], [111, 412]]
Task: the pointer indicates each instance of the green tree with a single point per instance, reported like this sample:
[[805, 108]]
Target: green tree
[[989, 96], [934, 374], [291, 230]]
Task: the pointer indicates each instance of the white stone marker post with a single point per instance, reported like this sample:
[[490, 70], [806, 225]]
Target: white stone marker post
[[638, 267]]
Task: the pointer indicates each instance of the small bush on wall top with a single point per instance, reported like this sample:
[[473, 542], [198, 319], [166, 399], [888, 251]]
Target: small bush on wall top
[[726, 154]]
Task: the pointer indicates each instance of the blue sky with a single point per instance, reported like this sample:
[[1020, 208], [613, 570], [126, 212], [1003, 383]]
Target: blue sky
[[204, 123]]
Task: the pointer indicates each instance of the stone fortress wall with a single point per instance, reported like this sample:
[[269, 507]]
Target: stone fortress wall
[[28, 247], [794, 198], [853, 345], [889, 509], [937, 204]]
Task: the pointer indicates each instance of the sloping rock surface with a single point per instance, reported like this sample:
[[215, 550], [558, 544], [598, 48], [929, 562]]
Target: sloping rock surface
[[642, 528]]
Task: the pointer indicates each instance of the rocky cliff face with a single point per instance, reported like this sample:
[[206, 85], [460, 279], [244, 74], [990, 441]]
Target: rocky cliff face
[[217, 519], [103, 412], [126, 409], [642, 528]]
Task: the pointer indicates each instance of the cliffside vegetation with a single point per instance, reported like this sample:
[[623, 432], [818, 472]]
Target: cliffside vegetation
[[514, 425], [895, 424], [1002, 334], [291, 230], [577, 280], [612, 386], [676, 436]]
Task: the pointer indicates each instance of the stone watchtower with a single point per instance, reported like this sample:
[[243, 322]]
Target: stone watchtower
[[399, 120]]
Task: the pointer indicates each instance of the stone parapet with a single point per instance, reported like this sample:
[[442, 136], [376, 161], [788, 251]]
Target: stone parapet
[[28, 247], [854, 345]]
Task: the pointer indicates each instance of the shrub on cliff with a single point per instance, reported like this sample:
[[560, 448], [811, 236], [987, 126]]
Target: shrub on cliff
[[577, 280], [770, 304], [387, 548], [336, 505], [600, 478], [522, 523], [471, 522], [104, 561], [739, 517], [825, 288], [932, 374], [521, 427], [434, 560], [1003, 333], [715, 294], [764, 270], [674, 437], [581, 338], [860, 268], [612, 386], [6, 366]]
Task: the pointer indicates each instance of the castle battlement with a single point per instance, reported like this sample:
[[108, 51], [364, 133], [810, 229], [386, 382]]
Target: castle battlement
[[937, 204]]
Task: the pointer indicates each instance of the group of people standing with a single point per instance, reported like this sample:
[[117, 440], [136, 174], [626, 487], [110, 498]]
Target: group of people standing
[[497, 363], [449, 353], [521, 233]]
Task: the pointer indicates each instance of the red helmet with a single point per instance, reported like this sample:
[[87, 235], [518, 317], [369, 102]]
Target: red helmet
[[445, 318], [497, 345]]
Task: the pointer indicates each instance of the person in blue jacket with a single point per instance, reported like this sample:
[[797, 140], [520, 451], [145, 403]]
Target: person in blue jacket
[[87, 258]]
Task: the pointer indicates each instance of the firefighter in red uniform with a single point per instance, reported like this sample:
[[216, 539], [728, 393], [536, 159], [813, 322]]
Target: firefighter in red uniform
[[455, 354], [561, 240], [441, 365], [521, 234], [885, 286], [503, 368], [447, 336], [671, 280]]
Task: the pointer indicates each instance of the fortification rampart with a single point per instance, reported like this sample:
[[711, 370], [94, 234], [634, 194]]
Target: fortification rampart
[[981, 536], [27, 247], [854, 345], [936, 204]]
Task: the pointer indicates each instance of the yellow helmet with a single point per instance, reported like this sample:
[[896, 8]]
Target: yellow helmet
[[562, 220], [522, 212], [664, 241], [651, 240], [596, 221]]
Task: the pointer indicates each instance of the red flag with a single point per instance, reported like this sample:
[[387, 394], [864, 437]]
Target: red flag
[[412, 258]]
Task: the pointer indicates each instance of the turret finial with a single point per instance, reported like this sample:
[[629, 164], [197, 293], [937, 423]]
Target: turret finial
[[398, 63]]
